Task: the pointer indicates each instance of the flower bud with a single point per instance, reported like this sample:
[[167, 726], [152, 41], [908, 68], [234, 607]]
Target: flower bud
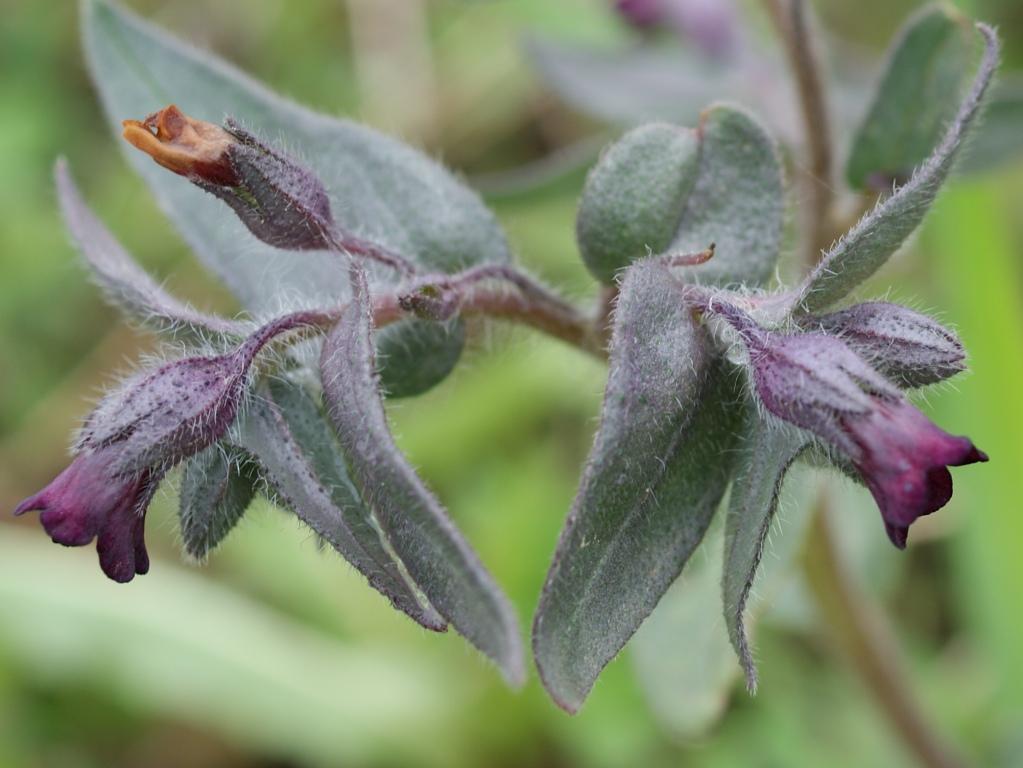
[[818, 383], [907, 347], [133, 438], [281, 202]]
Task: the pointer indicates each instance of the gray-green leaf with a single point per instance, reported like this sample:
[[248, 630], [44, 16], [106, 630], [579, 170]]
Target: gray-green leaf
[[217, 486], [916, 98], [436, 555], [124, 283], [635, 196], [415, 355], [662, 188], [869, 244], [658, 468], [286, 433], [737, 202], [765, 456]]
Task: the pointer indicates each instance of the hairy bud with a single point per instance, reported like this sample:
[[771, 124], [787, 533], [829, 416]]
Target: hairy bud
[[281, 202], [907, 347], [818, 383], [132, 439]]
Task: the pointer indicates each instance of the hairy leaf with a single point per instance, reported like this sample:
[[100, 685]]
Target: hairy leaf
[[661, 188], [380, 189], [435, 553], [880, 233], [415, 355], [125, 284], [635, 196], [658, 468], [917, 96], [765, 456], [217, 486], [286, 433], [737, 201]]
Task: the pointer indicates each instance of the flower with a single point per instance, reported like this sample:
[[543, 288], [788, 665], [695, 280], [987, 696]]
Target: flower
[[818, 383], [189, 147], [904, 459], [133, 438], [89, 500]]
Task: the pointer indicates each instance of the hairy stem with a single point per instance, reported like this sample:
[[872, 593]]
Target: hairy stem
[[791, 23], [862, 632]]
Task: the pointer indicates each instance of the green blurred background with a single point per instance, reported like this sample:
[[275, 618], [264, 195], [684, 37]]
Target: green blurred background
[[275, 653]]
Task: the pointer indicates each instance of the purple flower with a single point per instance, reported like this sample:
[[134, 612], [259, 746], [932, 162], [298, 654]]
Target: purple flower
[[820, 384], [89, 500], [130, 441]]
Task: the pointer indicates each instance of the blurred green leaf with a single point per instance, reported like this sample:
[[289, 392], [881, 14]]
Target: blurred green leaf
[[999, 137], [915, 99], [657, 470], [179, 646], [681, 654], [662, 189]]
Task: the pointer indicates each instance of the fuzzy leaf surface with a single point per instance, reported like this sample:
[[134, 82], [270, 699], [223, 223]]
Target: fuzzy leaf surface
[[217, 486], [657, 470], [764, 458], [124, 283], [286, 433], [915, 99], [635, 196], [880, 233], [438, 558], [662, 188], [737, 201]]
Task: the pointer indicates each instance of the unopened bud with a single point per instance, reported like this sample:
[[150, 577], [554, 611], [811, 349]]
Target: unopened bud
[[281, 202], [907, 347]]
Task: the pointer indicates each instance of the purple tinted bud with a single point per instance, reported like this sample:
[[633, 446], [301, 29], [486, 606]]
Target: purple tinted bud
[[818, 383], [907, 347], [133, 438]]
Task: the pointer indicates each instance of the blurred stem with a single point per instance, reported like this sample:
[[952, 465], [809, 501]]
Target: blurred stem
[[790, 21], [862, 632]]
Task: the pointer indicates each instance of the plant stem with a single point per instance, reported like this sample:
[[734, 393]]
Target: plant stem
[[792, 27], [861, 630]]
